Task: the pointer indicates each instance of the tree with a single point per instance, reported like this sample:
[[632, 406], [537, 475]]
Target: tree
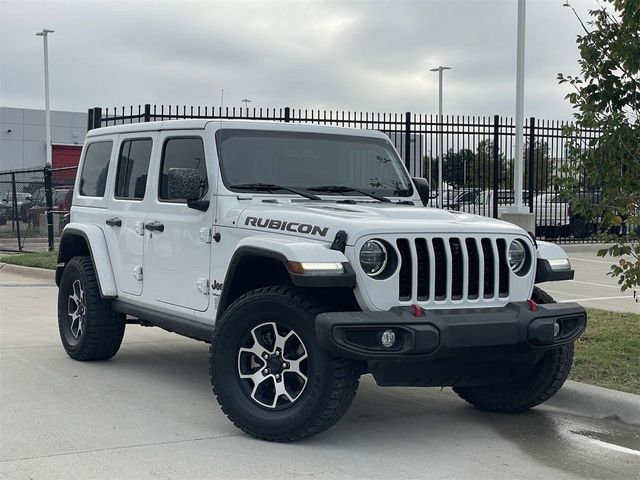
[[606, 98], [455, 164], [542, 166]]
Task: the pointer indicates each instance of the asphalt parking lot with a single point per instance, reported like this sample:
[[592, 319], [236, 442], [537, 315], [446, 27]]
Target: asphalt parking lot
[[149, 413], [592, 287]]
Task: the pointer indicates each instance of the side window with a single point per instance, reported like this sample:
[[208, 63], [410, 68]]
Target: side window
[[186, 152], [95, 168], [133, 165]]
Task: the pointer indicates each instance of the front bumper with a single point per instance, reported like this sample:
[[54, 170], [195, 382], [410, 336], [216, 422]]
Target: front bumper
[[356, 335]]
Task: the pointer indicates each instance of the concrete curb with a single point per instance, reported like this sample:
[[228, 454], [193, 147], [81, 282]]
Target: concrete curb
[[29, 272], [596, 402]]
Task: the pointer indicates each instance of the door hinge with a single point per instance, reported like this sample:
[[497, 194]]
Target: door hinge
[[139, 228], [205, 234], [203, 286], [137, 273]]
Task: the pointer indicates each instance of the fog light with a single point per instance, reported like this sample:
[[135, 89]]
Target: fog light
[[556, 329], [388, 338]]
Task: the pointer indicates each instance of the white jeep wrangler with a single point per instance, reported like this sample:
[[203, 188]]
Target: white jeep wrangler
[[304, 256]]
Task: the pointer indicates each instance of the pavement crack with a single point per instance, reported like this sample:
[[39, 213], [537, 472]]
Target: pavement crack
[[123, 447]]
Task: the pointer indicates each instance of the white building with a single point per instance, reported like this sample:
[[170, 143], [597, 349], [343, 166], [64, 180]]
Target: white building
[[23, 137]]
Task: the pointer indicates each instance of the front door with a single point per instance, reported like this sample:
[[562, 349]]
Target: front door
[[128, 203], [177, 249]]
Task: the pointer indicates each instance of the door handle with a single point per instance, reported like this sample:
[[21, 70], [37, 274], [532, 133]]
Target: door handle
[[114, 222], [154, 227]]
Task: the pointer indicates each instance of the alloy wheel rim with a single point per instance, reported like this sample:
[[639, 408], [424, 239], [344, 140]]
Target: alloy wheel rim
[[273, 365], [77, 310]]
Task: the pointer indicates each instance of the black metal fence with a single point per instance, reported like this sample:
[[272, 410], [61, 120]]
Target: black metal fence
[[477, 167], [34, 207], [477, 155]]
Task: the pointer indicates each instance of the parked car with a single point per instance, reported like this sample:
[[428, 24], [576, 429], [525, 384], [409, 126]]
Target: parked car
[[7, 207], [464, 199], [553, 215], [61, 200]]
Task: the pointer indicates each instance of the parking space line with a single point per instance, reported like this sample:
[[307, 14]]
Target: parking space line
[[596, 284], [596, 298], [591, 261]]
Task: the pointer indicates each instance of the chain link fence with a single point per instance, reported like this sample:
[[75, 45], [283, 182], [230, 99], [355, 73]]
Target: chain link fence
[[34, 207]]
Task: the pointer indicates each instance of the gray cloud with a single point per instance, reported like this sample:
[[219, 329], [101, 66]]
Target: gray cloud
[[357, 55]]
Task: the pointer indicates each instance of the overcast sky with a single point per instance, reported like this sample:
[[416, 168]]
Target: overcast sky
[[357, 55]]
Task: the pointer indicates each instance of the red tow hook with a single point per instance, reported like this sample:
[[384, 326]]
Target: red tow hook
[[417, 311], [533, 306]]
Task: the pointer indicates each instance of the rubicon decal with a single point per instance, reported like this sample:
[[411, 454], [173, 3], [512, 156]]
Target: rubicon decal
[[284, 226]]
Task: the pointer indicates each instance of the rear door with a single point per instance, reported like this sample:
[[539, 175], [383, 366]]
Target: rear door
[[177, 248], [128, 204]]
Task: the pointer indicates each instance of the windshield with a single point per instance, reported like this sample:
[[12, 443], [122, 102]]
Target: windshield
[[311, 160]]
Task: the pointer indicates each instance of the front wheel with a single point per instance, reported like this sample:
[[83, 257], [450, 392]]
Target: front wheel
[[268, 372], [546, 378]]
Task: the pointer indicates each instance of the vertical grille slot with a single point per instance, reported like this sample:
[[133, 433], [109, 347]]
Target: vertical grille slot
[[456, 268], [440, 263], [489, 274], [474, 268], [423, 269], [404, 287], [503, 268]]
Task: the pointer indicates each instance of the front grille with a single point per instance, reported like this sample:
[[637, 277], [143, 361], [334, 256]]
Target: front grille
[[452, 268]]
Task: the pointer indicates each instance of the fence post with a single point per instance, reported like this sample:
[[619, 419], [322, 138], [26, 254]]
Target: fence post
[[147, 112], [496, 165], [532, 159], [407, 141], [48, 193], [16, 213], [287, 114], [90, 120], [97, 117]]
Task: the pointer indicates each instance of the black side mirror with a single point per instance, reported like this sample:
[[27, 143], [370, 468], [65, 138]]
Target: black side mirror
[[422, 186], [184, 184]]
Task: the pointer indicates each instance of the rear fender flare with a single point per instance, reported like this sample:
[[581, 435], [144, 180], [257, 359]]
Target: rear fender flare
[[96, 242]]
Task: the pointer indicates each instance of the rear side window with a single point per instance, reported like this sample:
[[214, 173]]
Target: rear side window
[[95, 168], [186, 152], [133, 165]]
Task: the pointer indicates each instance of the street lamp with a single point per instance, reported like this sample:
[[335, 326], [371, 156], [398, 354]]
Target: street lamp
[[47, 114], [440, 69], [246, 102]]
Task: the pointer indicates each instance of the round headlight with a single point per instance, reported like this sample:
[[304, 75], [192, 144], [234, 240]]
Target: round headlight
[[517, 256], [373, 257]]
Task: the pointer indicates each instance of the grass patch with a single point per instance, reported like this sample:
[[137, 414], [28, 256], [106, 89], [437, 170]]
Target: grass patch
[[608, 353], [40, 260]]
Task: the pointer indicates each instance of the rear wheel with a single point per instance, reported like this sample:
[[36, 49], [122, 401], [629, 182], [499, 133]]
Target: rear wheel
[[89, 328], [268, 372], [546, 378]]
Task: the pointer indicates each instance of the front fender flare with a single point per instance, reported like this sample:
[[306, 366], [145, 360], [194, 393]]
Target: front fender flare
[[97, 245]]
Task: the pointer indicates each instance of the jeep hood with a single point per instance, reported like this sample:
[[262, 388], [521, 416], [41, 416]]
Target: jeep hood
[[322, 220]]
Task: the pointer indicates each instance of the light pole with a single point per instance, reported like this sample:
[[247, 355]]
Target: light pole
[[246, 103], [518, 157], [47, 114], [440, 69]]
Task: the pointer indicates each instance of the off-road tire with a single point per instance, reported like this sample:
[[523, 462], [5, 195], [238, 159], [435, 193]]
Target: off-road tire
[[103, 328], [331, 384], [546, 378]]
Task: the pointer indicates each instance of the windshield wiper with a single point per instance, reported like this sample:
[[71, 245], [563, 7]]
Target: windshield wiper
[[343, 189], [270, 187]]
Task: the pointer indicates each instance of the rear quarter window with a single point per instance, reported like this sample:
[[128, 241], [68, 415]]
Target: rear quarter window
[[95, 167]]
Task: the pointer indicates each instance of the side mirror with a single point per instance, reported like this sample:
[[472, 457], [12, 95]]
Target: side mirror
[[422, 186], [184, 184]]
